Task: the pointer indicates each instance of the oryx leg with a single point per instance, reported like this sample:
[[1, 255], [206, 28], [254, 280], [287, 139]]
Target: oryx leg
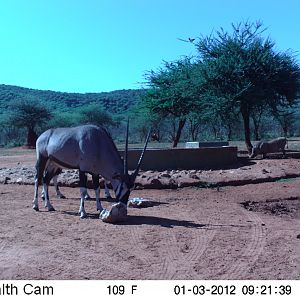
[[55, 171], [58, 192], [96, 186], [40, 168], [46, 181], [83, 192], [107, 193], [87, 196]]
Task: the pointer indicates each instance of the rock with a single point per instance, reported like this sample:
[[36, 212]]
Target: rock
[[139, 203], [19, 180], [156, 183], [194, 176], [117, 213], [166, 175]]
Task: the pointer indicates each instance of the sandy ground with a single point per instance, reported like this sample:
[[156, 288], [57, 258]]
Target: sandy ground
[[250, 231]]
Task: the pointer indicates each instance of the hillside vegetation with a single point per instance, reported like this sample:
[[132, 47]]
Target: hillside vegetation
[[114, 102]]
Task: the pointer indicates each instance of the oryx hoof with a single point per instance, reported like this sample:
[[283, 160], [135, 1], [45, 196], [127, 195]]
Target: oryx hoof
[[51, 208], [117, 213], [83, 215], [100, 209], [36, 208]]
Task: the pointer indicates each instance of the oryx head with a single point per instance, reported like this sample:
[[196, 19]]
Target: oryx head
[[255, 150], [126, 181]]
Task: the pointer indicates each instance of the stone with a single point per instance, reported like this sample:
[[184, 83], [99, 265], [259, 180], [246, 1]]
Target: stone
[[139, 203], [117, 213]]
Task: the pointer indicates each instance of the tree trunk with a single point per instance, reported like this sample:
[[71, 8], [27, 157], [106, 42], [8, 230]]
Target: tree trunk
[[229, 132], [256, 129], [178, 133], [215, 131], [31, 137], [246, 120], [285, 130], [193, 132], [194, 129], [256, 125], [256, 132]]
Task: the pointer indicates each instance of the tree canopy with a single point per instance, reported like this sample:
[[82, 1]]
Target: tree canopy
[[245, 69], [29, 114], [238, 72], [172, 92]]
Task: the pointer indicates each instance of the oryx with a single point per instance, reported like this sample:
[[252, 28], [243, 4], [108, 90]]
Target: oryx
[[91, 150]]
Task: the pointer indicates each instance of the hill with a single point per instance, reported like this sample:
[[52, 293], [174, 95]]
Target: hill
[[115, 102]]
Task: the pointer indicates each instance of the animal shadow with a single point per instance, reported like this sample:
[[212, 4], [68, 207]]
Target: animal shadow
[[145, 220], [76, 214], [113, 200], [163, 222]]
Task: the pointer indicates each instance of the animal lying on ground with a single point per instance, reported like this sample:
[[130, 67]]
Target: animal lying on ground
[[265, 147], [91, 150]]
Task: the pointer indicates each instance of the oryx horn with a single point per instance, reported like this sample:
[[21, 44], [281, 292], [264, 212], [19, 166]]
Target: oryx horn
[[142, 156], [126, 150]]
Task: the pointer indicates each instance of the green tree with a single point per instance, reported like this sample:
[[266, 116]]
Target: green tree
[[172, 93], [94, 114], [286, 119], [29, 114], [244, 68]]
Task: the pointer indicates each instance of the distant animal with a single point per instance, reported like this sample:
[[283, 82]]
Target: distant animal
[[91, 150], [265, 147]]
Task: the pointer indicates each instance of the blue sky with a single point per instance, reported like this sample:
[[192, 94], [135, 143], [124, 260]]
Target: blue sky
[[104, 45]]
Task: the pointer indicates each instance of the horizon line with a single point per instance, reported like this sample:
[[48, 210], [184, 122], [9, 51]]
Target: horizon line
[[56, 91]]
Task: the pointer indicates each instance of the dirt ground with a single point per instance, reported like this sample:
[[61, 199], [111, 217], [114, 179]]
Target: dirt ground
[[251, 231]]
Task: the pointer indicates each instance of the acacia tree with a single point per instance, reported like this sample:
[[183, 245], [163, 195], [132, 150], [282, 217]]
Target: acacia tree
[[29, 114], [172, 94], [285, 118], [244, 68], [143, 120], [94, 114]]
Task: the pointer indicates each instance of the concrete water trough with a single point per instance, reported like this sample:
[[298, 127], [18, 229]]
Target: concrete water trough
[[183, 158], [206, 144]]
